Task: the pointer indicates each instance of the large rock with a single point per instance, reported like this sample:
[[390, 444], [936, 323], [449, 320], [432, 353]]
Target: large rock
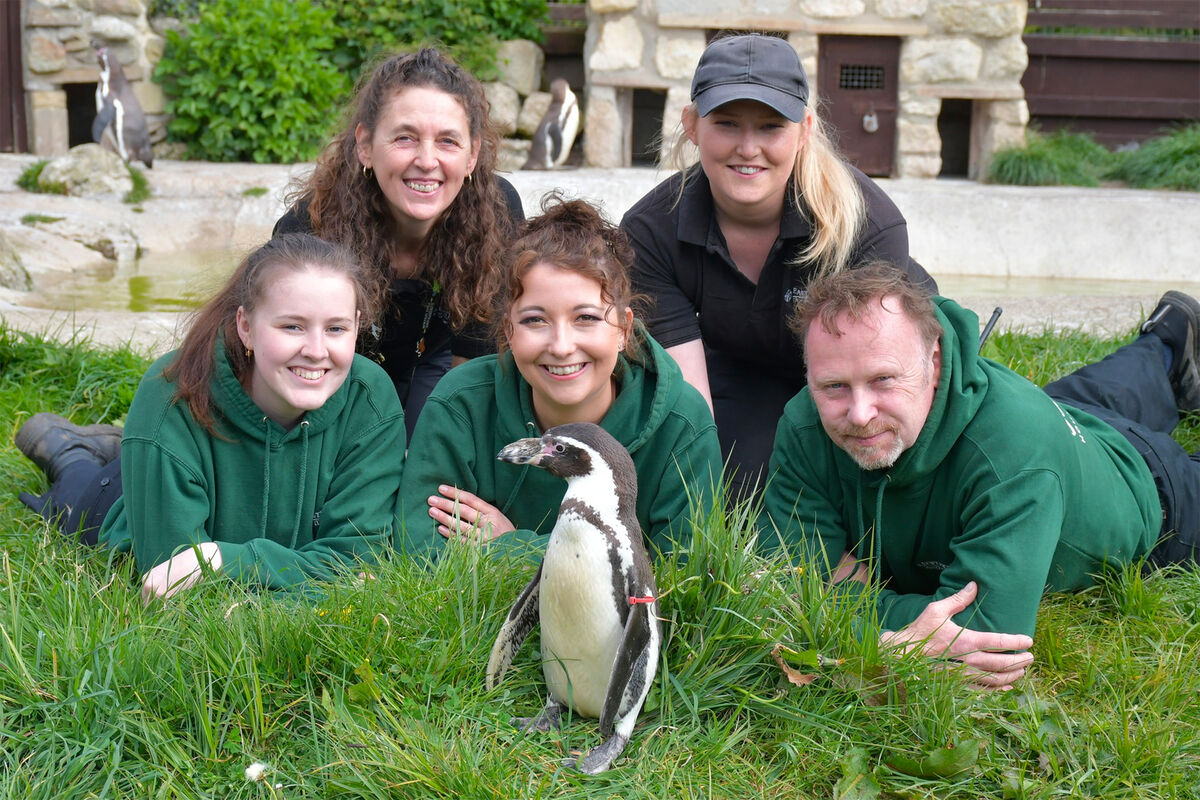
[[113, 240], [676, 55], [112, 29], [512, 155], [128, 8], [12, 270], [506, 105], [88, 169], [833, 8], [604, 130], [991, 18], [1005, 58], [532, 112], [939, 60], [895, 9], [520, 65]]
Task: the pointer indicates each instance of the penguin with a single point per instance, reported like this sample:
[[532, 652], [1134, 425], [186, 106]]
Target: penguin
[[556, 132], [118, 112], [594, 593]]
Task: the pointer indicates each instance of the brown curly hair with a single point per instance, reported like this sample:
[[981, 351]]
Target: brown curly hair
[[194, 365], [571, 235], [348, 207]]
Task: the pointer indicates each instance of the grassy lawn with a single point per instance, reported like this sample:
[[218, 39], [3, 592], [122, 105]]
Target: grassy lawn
[[375, 689]]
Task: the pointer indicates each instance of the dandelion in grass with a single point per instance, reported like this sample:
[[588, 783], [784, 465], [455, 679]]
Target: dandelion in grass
[[256, 772]]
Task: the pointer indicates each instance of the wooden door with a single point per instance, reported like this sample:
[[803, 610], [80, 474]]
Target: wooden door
[[858, 80], [13, 134]]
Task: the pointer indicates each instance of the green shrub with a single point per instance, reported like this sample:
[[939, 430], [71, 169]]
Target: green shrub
[[252, 80], [468, 30], [1061, 158], [1168, 162]]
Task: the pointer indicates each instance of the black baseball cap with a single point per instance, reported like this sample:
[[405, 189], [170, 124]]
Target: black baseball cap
[[751, 67]]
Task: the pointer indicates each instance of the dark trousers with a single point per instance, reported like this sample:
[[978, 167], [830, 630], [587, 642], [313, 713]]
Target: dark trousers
[[747, 406], [1129, 390], [414, 388], [80, 499]]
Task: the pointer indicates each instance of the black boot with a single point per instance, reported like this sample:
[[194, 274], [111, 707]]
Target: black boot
[[54, 443], [1176, 320]]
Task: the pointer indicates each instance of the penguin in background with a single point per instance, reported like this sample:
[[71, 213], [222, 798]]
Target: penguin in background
[[118, 112], [594, 593], [556, 132]]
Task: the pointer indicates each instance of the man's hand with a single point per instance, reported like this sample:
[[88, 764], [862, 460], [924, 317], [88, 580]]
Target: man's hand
[[986, 662], [181, 571]]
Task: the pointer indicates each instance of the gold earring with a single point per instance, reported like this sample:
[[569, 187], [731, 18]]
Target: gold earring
[[367, 172], [249, 353], [470, 177]]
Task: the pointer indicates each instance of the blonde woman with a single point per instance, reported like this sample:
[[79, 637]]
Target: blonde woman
[[726, 246]]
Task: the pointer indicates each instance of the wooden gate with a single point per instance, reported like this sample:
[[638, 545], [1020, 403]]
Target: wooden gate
[[14, 136], [857, 78], [1121, 70]]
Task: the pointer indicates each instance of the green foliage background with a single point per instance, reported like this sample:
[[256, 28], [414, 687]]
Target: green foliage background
[[262, 80]]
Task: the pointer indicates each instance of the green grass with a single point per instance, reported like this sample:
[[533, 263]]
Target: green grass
[[141, 186], [1170, 161], [28, 180], [375, 689], [33, 219], [255, 191]]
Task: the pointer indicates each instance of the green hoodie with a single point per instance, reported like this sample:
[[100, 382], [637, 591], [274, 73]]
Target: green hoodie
[[284, 506], [485, 404], [1003, 486]]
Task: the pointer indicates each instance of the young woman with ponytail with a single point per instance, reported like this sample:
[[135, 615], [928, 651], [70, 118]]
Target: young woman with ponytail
[[726, 246]]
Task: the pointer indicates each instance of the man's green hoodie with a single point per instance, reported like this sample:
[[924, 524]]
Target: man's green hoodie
[[485, 404], [283, 505], [1004, 487]]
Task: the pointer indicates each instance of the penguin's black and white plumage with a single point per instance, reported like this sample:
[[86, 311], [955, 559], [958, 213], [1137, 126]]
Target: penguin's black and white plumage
[[594, 593], [119, 114], [556, 132]]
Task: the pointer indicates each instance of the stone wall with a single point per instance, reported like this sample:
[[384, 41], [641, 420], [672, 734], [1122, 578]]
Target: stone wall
[[964, 49], [58, 53]]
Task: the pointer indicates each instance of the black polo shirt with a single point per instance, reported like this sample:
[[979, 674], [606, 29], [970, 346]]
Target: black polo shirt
[[683, 265]]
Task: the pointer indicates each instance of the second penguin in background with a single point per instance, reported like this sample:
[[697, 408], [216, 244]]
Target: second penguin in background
[[571, 351]]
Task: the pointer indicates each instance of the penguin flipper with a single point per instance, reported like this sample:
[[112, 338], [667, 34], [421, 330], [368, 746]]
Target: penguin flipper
[[556, 144], [521, 619], [632, 672], [104, 118]]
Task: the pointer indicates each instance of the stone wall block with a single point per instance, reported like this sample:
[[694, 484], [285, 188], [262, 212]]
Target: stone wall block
[[919, 105], [513, 154], [901, 9], [1011, 112], [938, 60], [604, 129], [44, 54], [77, 43], [990, 18], [49, 123], [153, 47], [127, 8], [39, 15], [918, 135], [112, 29], [506, 104], [1005, 58], [833, 8], [611, 6], [520, 65], [619, 45], [532, 112], [676, 55], [150, 97], [909, 165]]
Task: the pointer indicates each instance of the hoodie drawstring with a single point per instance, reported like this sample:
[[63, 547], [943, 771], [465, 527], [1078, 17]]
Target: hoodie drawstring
[[301, 484], [266, 493]]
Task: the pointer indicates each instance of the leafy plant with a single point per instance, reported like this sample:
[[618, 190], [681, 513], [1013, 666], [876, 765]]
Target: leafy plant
[[1168, 162], [141, 186], [469, 30], [252, 80], [1062, 158]]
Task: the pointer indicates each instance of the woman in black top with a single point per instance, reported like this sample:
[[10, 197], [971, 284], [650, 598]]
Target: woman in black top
[[725, 247], [409, 186]]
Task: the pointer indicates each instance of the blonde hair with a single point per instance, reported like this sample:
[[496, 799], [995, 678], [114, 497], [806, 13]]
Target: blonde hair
[[824, 191]]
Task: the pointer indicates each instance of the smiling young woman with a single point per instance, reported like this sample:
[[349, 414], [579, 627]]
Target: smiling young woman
[[726, 246], [571, 351], [263, 448], [409, 186]]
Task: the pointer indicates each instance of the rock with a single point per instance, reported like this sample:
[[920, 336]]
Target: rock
[[41, 16], [45, 55], [115, 241], [127, 8], [512, 154], [604, 132], [938, 60], [520, 64], [532, 112], [833, 8], [88, 169], [992, 18], [112, 29], [611, 6], [162, 24], [895, 9], [13, 274], [506, 105], [619, 45], [1005, 58]]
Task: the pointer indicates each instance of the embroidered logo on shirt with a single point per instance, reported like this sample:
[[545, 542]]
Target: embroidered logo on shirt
[[794, 295]]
